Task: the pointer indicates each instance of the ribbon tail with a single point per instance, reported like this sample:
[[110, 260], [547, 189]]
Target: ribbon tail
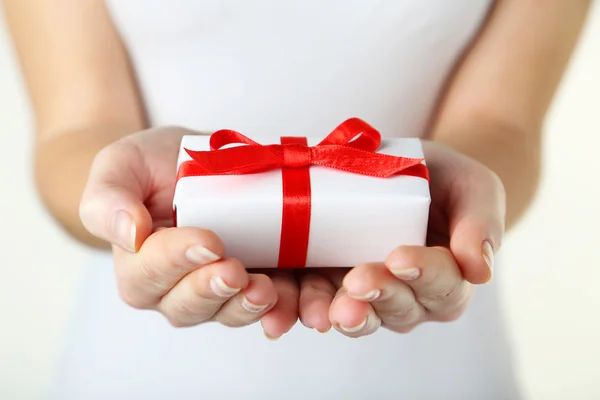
[[234, 161], [418, 170], [368, 163]]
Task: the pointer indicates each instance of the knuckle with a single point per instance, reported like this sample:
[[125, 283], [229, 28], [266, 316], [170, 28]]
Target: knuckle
[[457, 308], [195, 304], [430, 277], [451, 316], [198, 234], [129, 297], [151, 273], [179, 314], [208, 238], [199, 291], [409, 255], [402, 315], [175, 323], [447, 295]]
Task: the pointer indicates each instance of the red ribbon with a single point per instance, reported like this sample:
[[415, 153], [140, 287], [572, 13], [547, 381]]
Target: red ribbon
[[350, 147]]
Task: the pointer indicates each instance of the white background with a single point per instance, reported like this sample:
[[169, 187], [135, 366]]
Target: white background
[[551, 286]]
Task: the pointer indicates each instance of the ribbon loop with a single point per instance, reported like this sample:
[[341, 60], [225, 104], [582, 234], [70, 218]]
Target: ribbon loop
[[296, 155], [224, 137], [354, 133]]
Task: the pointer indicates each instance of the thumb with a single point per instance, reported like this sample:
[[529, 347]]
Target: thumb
[[112, 205], [476, 215]]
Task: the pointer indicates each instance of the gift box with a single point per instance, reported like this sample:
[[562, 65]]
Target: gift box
[[335, 200]]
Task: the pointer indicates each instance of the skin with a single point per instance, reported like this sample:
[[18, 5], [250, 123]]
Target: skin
[[483, 152]]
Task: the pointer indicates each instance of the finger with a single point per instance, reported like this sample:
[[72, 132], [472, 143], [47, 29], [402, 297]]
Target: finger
[[474, 202], [162, 261], [112, 205], [476, 223], [393, 300], [435, 279], [201, 293], [351, 317], [316, 294], [282, 317], [251, 304]]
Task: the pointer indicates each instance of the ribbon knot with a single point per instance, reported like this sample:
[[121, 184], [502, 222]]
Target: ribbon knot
[[296, 155]]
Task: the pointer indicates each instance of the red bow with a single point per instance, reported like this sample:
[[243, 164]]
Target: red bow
[[337, 150], [350, 147]]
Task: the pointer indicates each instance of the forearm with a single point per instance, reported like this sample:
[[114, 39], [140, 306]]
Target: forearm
[[514, 156], [82, 90], [62, 165], [495, 105]]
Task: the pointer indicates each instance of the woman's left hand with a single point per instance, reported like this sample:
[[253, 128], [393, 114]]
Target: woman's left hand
[[417, 284]]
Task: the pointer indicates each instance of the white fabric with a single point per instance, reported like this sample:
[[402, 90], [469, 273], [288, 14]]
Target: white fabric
[[260, 66]]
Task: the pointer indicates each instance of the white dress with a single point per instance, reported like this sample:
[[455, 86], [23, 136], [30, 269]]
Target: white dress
[[262, 66]]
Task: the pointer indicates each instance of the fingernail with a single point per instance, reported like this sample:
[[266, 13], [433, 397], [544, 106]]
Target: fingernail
[[272, 338], [220, 288], [370, 296], [354, 329], [251, 307], [488, 255], [123, 229], [200, 255], [407, 274]]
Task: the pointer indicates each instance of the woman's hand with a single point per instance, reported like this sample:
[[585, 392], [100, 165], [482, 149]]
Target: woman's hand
[[419, 284], [183, 273]]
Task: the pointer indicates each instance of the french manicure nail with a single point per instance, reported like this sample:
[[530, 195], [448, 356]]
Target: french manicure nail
[[488, 256], [200, 255], [251, 307], [370, 296], [220, 288], [407, 274], [354, 329], [124, 230]]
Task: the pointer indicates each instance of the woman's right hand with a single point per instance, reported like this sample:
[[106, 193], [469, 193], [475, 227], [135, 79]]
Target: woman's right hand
[[182, 272]]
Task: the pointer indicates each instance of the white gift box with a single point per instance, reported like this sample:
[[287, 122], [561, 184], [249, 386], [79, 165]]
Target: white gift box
[[353, 218]]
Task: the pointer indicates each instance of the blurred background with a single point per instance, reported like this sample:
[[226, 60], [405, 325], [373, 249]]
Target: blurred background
[[552, 259]]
